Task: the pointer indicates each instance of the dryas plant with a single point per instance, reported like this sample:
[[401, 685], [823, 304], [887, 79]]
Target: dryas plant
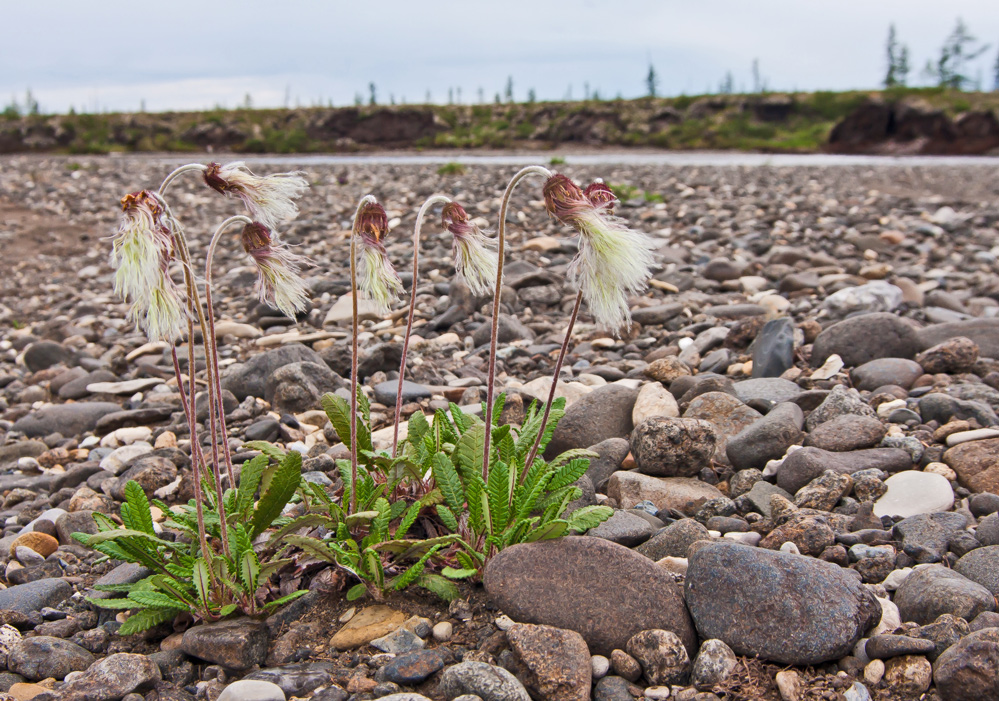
[[219, 572]]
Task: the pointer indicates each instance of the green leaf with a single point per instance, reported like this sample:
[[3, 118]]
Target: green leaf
[[436, 584], [270, 606], [338, 412], [447, 517], [157, 600], [499, 497], [356, 592], [379, 524], [408, 519], [469, 450], [137, 506], [418, 427], [371, 564], [228, 609], [271, 566], [297, 524], [547, 531], [409, 576], [569, 473], [498, 405], [360, 517], [448, 481], [465, 573], [249, 572], [318, 549], [249, 480], [461, 421], [475, 492], [144, 620], [279, 492], [202, 582], [113, 603], [588, 517], [269, 449]]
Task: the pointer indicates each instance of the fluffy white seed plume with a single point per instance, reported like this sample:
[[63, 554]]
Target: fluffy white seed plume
[[473, 252], [270, 199], [613, 261], [278, 281], [141, 253], [377, 279]]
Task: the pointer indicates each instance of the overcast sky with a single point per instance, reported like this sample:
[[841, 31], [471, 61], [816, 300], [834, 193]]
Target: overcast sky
[[194, 54]]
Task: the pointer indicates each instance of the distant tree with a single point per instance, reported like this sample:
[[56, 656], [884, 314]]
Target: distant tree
[[482, 95], [586, 90], [247, 102], [727, 86], [531, 96], [995, 69], [757, 84], [428, 100], [391, 98], [651, 81], [508, 93], [568, 93], [596, 95], [892, 50], [458, 93], [902, 67], [142, 105], [373, 94], [958, 50], [498, 100], [450, 96], [358, 99]]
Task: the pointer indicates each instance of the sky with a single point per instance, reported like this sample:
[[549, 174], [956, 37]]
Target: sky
[[107, 55]]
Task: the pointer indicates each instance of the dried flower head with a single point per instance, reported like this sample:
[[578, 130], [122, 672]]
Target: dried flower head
[[278, 281], [474, 259], [268, 198], [141, 253], [601, 196], [377, 278], [613, 260]]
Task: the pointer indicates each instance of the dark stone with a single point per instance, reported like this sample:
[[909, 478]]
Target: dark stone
[[43, 656], [250, 378], [773, 349], [954, 355], [623, 528], [510, 329], [673, 447], [925, 537], [931, 591], [612, 453], [883, 647], [603, 413], [263, 430], [413, 668], [784, 608], [34, 596], [981, 565], [112, 678], [804, 465], [539, 583], [847, 432], [202, 410], [150, 471], [297, 387], [385, 392], [135, 417], [659, 314], [984, 333], [44, 354], [767, 439], [77, 388], [237, 644], [674, 540], [942, 408], [969, 670], [67, 419], [49, 569], [296, 679], [860, 339]]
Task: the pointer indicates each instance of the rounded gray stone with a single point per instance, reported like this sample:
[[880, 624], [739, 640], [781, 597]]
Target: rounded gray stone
[[489, 682], [603, 413], [673, 447], [931, 591], [860, 339]]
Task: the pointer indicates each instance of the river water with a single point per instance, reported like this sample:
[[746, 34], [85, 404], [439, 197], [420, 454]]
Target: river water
[[665, 158]]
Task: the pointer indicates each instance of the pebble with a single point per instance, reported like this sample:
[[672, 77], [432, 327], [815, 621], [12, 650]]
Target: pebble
[[911, 492]]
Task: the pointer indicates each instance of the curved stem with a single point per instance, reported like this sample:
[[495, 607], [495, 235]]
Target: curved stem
[[353, 353], [434, 199], [194, 299], [551, 393], [494, 331], [211, 345], [179, 171]]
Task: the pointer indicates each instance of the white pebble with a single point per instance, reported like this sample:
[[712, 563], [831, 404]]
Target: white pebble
[[504, 622], [747, 538], [658, 693], [789, 547], [895, 578], [885, 410], [599, 666], [442, 631], [976, 435], [873, 672]]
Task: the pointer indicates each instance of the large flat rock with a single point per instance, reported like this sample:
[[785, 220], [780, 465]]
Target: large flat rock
[[603, 591]]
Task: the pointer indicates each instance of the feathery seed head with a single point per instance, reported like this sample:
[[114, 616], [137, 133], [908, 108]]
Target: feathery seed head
[[269, 198], [613, 260], [376, 277], [278, 281], [601, 196], [141, 253], [474, 259]]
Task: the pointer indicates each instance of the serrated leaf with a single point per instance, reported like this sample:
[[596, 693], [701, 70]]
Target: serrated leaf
[[249, 572], [379, 524], [406, 578], [447, 480], [569, 473], [229, 609], [157, 600], [469, 450], [408, 519], [269, 449], [279, 492], [497, 488], [270, 606], [588, 517], [447, 517], [356, 592], [202, 582], [436, 584], [547, 531], [249, 479], [145, 619], [475, 491], [465, 573], [113, 603], [417, 428], [461, 421], [338, 412], [138, 507], [313, 546]]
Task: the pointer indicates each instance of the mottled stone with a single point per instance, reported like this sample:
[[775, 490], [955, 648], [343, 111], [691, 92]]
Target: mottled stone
[[935, 590], [603, 413], [969, 670], [684, 494], [44, 656], [237, 644], [860, 339], [673, 447], [784, 608], [802, 466], [539, 583], [767, 438], [556, 661], [976, 464], [846, 433], [488, 682], [662, 655]]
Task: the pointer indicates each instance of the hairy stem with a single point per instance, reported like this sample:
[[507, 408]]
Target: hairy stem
[[211, 344], [435, 199], [494, 331], [551, 393], [184, 255], [353, 354], [179, 171]]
